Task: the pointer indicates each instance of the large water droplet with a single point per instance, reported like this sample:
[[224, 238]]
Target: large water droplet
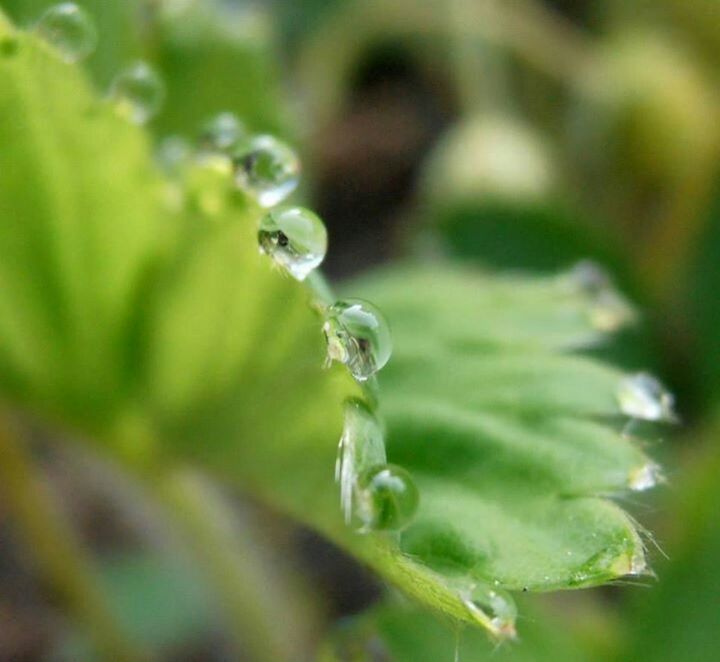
[[387, 498], [642, 396], [361, 447], [493, 607], [70, 30], [266, 169], [138, 93], [358, 336], [295, 238], [222, 132]]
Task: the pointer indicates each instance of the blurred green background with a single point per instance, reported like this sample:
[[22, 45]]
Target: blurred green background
[[523, 135]]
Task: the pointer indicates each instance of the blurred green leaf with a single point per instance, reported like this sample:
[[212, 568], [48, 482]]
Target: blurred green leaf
[[82, 230]]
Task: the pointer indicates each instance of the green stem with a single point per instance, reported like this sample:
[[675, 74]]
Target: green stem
[[58, 553], [268, 619]]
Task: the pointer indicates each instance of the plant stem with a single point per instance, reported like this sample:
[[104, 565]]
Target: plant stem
[[60, 556], [268, 619]]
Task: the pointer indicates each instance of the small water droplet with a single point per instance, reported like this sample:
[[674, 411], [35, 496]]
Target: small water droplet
[[70, 30], [387, 498], [266, 169], [222, 132], [642, 396], [645, 477], [608, 310], [174, 154], [138, 93], [295, 238], [361, 446], [357, 336], [496, 608]]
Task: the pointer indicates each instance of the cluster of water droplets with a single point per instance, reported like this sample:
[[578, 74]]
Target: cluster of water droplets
[[137, 92], [375, 495]]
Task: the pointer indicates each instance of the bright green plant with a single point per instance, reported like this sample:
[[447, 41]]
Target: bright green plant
[[139, 320]]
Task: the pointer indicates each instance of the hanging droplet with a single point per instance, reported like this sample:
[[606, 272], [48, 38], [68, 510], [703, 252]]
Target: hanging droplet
[[138, 93], [222, 132], [608, 310], [295, 238], [357, 336], [387, 498], [361, 447], [644, 397], [494, 608], [645, 477], [266, 169], [70, 30]]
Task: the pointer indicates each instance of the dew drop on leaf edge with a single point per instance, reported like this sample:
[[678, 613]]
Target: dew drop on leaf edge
[[69, 29], [494, 603], [221, 132], [295, 238], [138, 93], [387, 498], [358, 336], [642, 396], [266, 169]]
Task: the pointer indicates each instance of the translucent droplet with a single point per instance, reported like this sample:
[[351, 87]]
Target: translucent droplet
[[608, 310], [494, 608], [361, 447], [266, 169], [295, 238], [644, 397], [645, 477], [138, 93], [357, 336], [222, 132], [70, 30], [174, 154], [387, 498]]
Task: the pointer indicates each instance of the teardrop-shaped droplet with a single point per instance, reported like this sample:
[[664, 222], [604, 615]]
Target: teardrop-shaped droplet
[[70, 30], [358, 336], [222, 132], [266, 169], [387, 498], [495, 605], [138, 93], [642, 396], [295, 238], [361, 447]]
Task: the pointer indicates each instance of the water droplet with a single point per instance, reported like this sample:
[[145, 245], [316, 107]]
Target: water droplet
[[608, 310], [357, 336], [387, 498], [494, 608], [295, 238], [70, 30], [644, 397], [138, 92], [266, 169], [645, 477], [361, 446], [222, 132], [174, 154]]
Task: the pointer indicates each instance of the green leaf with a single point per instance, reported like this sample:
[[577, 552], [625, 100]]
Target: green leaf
[[82, 229]]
